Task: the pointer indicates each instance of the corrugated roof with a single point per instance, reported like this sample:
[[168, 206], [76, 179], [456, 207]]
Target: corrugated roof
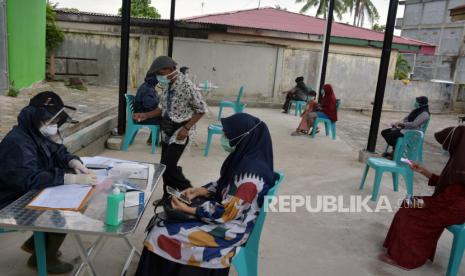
[[458, 8], [281, 20]]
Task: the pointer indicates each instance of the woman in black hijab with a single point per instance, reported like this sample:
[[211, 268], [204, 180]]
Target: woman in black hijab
[[206, 247], [414, 121], [31, 160]]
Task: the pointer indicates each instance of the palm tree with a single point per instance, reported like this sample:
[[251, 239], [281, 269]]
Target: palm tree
[[340, 6], [362, 8]]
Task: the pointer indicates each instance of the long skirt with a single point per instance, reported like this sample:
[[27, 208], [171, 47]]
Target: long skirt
[[414, 232], [150, 264]]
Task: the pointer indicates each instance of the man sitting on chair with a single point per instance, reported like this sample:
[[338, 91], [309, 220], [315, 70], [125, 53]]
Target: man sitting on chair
[[298, 93]]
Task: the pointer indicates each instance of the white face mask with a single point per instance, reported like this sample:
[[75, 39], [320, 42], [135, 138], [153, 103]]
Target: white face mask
[[49, 130], [446, 152]]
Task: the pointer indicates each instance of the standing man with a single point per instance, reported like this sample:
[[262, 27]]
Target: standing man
[[181, 107], [299, 93]]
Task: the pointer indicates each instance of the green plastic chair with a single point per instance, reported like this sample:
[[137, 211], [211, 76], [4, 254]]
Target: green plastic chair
[[39, 246], [458, 246], [329, 125], [299, 105], [132, 127], [212, 129], [424, 128], [237, 106], [406, 147], [246, 259]]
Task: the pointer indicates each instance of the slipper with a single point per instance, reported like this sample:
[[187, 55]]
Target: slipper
[[297, 133], [384, 257]]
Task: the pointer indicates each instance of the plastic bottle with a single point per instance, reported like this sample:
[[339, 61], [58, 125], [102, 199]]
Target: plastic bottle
[[115, 207]]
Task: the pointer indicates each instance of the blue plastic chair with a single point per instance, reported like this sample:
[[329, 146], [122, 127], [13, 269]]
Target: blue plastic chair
[[237, 106], [406, 147], [299, 105], [132, 127], [39, 245], [458, 246], [425, 127], [212, 129], [246, 259], [329, 125]]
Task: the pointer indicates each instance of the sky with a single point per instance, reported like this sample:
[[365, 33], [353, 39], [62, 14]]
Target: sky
[[187, 8]]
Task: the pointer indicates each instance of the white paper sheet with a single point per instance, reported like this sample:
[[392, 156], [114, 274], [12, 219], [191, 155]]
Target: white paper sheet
[[62, 197], [101, 174], [129, 170], [100, 160]]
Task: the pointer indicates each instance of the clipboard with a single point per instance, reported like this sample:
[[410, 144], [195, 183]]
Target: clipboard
[[49, 198]]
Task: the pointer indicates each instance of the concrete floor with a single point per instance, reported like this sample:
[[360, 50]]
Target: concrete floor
[[299, 243]]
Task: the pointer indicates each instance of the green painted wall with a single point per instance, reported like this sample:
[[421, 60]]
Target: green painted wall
[[26, 41]]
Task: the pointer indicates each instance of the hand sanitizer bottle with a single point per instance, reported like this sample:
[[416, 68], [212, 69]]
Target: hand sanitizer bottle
[[115, 206]]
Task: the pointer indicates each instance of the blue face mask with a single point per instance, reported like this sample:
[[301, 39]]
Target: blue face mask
[[163, 79], [226, 145]]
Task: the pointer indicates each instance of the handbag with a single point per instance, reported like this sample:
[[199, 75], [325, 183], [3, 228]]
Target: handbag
[[171, 215]]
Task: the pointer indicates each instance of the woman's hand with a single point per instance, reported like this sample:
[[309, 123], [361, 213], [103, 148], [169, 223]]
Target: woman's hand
[[78, 167], [420, 169], [192, 193], [181, 206]]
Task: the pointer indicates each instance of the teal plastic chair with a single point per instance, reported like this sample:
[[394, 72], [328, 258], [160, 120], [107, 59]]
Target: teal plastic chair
[[406, 147], [39, 245], [458, 246], [237, 106], [299, 105], [212, 129], [132, 127], [425, 127], [246, 259], [329, 125]]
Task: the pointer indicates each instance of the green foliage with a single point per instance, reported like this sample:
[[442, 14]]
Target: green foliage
[[340, 7], [69, 9], [362, 9], [142, 8], [54, 35], [378, 28], [403, 68], [13, 92]]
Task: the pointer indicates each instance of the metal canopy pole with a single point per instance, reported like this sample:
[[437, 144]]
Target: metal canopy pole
[[171, 34], [123, 65], [382, 75], [325, 50]]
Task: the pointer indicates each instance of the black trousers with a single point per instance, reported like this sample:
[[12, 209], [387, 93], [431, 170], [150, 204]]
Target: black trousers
[[289, 98], [150, 264], [391, 135], [173, 176]]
